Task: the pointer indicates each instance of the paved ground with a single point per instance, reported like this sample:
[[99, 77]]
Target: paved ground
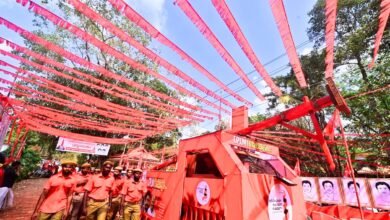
[[26, 195]]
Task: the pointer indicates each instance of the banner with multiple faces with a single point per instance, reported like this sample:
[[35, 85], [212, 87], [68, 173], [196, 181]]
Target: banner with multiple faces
[[330, 190]]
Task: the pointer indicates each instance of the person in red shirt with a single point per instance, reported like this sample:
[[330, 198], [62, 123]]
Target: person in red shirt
[[132, 192], [54, 201], [78, 195], [97, 197], [116, 196]]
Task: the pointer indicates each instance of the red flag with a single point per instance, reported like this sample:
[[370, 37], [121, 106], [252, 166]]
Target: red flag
[[347, 171], [297, 168]]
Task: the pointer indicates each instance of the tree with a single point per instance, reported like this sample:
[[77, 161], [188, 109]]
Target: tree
[[72, 43], [356, 26]]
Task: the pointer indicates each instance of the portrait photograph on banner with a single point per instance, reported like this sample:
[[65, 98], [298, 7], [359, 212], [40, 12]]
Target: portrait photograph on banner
[[350, 192], [380, 189], [309, 187], [329, 190]]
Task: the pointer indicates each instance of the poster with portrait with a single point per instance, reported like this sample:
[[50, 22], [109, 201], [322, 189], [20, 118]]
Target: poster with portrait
[[329, 190], [380, 189], [309, 187], [350, 192]]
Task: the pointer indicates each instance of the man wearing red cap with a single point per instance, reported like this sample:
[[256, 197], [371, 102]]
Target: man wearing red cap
[[133, 191], [78, 195], [54, 201], [97, 198]]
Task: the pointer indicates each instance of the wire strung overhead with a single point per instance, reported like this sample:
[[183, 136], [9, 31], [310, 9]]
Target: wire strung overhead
[[83, 8], [153, 103], [133, 16], [87, 112], [281, 20], [235, 29], [186, 7], [110, 50]]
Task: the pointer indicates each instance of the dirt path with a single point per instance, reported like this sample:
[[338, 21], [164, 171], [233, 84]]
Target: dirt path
[[26, 195]]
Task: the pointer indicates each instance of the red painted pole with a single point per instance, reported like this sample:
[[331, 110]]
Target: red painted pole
[[350, 165]]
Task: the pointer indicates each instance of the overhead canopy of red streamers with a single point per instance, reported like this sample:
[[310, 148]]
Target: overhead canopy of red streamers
[[69, 112]]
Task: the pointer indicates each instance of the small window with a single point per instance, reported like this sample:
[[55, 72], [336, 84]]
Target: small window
[[203, 165]]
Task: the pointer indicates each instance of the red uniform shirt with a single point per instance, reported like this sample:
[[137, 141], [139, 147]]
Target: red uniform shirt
[[99, 186], [117, 187], [58, 188], [133, 191], [79, 178]]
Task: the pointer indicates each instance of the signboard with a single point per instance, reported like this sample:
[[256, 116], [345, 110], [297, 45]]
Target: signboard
[[380, 189], [247, 143], [350, 192], [203, 193], [66, 144], [309, 187], [279, 203], [330, 191]]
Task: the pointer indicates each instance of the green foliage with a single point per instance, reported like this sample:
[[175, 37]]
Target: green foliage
[[30, 160], [68, 41], [256, 118], [81, 158], [356, 26]]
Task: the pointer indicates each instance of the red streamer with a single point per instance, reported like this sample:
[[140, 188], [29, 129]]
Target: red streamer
[[108, 49], [133, 115], [133, 16], [76, 94], [279, 13], [383, 17], [95, 67], [33, 125], [210, 36], [330, 13], [235, 29], [153, 103], [94, 16]]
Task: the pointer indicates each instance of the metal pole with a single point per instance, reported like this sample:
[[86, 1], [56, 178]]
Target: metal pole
[[350, 165]]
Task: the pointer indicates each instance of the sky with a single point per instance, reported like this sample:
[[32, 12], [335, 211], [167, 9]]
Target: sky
[[254, 17]]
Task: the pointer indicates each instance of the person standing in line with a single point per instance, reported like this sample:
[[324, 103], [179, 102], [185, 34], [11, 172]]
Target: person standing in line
[[97, 197], [129, 174], [78, 195], [55, 199], [11, 173], [132, 192], [116, 196]]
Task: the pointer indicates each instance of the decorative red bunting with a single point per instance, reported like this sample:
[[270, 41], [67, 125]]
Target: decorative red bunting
[[94, 16], [383, 17], [133, 16], [121, 113], [186, 7], [95, 67], [330, 13], [279, 13], [154, 104], [110, 50], [235, 29]]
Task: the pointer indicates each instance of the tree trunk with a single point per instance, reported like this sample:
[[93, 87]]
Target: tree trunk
[[361, 67]]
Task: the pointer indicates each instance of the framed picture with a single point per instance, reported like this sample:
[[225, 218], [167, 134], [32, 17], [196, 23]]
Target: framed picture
[[350, 192], [309, 187], [380, 189], [330, 190]]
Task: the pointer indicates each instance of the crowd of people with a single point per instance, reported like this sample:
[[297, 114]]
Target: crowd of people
[[102, 194]]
